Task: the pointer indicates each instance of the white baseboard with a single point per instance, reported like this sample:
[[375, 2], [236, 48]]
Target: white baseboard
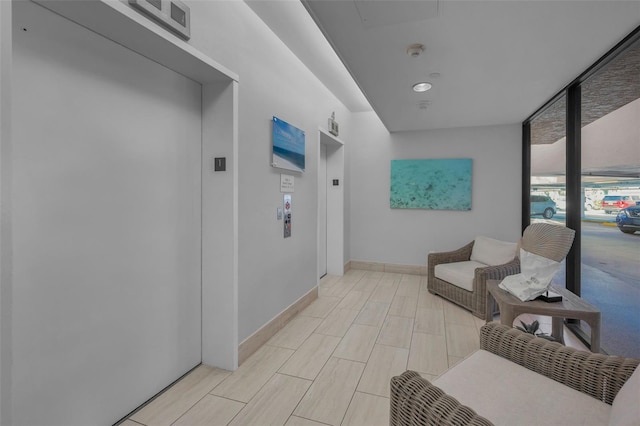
[[388, 267]]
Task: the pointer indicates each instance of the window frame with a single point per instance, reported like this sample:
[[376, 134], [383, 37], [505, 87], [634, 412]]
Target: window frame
[[573, 166]]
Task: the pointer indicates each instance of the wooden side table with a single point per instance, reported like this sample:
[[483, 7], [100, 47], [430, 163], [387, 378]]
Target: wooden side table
[[571, 306]]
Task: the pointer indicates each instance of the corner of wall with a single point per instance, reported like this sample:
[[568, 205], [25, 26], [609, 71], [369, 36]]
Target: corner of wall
[[5, 209]]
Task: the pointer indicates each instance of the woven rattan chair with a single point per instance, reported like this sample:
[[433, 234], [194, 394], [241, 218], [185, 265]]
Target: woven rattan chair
[[415, 401], [544, 239]]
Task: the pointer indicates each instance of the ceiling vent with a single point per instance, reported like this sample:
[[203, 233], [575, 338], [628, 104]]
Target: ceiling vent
[[415, 50]]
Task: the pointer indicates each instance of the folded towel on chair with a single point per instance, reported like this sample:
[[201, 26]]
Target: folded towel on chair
[[534, 279]]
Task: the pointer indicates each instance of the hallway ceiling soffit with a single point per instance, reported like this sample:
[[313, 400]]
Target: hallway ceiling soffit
[[490, 62]]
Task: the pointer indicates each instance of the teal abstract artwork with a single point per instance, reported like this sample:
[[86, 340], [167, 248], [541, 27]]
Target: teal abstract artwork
[[438, 184]]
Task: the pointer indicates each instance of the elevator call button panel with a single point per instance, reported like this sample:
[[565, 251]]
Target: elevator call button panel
[[287, 215]]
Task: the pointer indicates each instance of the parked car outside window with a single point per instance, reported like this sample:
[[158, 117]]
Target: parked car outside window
[[615, 203], [591, 203], [628, 220], [542, 205]]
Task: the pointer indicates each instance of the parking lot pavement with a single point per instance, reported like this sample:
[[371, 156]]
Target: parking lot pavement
[[610, 280], [618, 300]]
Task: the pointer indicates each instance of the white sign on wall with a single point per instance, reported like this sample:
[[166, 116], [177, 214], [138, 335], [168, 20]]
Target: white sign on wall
[[286, 183]]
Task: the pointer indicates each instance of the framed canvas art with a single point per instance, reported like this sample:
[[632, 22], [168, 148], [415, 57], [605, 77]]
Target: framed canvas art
[[433, 184], [288, 146]]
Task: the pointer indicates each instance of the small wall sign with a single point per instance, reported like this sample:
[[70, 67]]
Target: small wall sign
[[286, 183]]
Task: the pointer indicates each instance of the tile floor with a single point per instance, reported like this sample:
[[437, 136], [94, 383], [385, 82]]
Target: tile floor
[[331, 365]]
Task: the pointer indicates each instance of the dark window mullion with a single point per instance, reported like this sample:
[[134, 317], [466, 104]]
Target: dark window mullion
[[526, 174], [574, 185]]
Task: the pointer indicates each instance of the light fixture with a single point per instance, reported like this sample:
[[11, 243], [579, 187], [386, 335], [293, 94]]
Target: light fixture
[[423, 86]]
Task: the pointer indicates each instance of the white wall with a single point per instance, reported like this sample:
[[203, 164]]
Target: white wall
[[273, 272], [399, 236], [5, 208]]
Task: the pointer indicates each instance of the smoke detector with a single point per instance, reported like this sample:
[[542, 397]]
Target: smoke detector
[[424, 104], [415, 50]]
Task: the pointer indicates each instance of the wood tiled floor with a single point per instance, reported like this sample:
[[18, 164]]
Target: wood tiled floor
[[331, 365]]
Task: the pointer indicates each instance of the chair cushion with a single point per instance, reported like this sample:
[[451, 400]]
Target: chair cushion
[[492, 252], [508, 394], [625, 409], [460, 274]]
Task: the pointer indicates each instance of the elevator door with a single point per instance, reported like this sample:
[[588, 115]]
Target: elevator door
[[106, 224], [322, 211]]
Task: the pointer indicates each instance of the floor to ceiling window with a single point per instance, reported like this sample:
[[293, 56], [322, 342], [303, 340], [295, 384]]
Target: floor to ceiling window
[[582, 157], [547, 195], [610, 164], [548, 162]]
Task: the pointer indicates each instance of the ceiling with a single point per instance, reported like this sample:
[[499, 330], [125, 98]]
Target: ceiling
[[490, 62]]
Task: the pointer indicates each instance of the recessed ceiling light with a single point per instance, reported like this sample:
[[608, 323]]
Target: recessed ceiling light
[[421, 87]]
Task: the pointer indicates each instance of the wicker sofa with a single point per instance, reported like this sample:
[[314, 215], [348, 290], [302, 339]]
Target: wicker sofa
[[518, 379]]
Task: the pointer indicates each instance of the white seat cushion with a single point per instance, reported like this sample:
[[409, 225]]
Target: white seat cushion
[[508, 394], [460, 274], [493, 252], [625, 410]]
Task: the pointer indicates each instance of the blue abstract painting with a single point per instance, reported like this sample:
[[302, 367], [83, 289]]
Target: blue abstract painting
[[438, 184]]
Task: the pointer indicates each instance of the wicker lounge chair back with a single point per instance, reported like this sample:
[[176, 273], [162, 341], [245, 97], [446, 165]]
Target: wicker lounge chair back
[[548, 240]]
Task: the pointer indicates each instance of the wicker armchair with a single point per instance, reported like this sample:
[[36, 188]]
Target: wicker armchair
[[415, 401], [544, 239], [475, 300]]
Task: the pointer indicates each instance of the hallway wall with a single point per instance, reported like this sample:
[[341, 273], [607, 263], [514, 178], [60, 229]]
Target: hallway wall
[[273, 272], [406, 236]]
